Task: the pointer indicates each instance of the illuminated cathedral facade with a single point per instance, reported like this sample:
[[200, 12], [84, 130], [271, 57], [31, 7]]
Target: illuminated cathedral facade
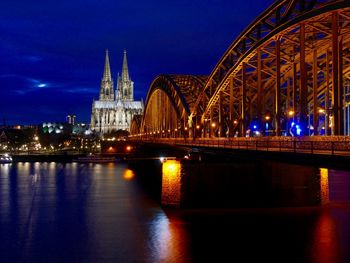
[[115, 109]]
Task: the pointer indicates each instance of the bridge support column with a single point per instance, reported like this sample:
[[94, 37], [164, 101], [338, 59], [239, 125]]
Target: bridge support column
[[315, 91], [190, 128], [326, 103], [212, 125], [260, 98], [294, 92], [171, 183], [337, 78], [278, 89], [324, 186], [231, 109], [243, 98], [220, 124], [303, 113]]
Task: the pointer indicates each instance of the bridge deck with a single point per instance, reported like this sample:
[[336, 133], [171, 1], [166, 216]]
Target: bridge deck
[[334, 146]]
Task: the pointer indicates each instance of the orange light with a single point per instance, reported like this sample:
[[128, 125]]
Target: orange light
[[324, 186], [213, 124], [235, 122], [128, 148], [197, 127], [128, 174], [267, 118], [186, 128], [291, 113], [111, 149], [171, 182]]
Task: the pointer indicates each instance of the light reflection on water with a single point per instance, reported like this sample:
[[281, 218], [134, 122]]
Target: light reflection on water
[[128, 174], [54, 212]]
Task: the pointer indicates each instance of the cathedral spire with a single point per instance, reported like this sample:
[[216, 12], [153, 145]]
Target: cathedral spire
[[125, 72], [125, 85], [107, 90], [107, 70]]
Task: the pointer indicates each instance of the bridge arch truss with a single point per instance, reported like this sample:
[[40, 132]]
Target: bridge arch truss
[[169, 103], [292, 64]]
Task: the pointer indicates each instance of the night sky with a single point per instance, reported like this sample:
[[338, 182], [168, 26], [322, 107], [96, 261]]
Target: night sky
[[52, 52]]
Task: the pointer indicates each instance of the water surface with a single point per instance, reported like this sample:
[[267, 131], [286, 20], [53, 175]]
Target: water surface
[[54, 212]]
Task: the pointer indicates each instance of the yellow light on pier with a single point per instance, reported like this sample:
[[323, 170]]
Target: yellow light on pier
[[324, 184], [171, 182]]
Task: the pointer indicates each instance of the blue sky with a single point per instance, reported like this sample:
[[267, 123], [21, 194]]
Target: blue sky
[[52, 52]]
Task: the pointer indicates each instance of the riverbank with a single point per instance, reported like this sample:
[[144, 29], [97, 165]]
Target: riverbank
[[45, 157], [55, 157]]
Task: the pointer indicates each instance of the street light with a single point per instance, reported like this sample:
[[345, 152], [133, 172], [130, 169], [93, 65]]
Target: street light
[[321, 113], [267, 119]]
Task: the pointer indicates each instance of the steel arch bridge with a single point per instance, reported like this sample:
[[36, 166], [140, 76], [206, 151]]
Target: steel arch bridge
[[169, 104], [288, 69]]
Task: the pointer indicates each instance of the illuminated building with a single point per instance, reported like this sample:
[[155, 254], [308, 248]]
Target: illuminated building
[[115, 110], [71, 119]]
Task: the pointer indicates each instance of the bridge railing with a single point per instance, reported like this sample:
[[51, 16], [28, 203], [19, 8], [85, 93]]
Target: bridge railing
[[329, 145]]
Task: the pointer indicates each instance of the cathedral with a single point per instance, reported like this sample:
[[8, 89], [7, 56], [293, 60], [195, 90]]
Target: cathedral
[[115, 110]]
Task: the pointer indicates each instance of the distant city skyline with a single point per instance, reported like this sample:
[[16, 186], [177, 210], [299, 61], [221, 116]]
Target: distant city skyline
[[52, 55]]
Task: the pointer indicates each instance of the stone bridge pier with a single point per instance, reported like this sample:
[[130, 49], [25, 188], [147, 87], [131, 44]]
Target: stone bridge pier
[[191, 184]]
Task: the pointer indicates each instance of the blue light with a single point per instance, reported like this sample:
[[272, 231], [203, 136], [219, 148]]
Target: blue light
[[254, 126], [293, 123], [298, 129], [266, 126]]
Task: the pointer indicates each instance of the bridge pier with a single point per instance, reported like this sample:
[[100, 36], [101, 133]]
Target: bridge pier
[[190, 184], [171, 183]]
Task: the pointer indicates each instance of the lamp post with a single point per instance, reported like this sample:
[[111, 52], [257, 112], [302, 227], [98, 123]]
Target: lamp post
[[267, 119], [213, 125], [321, 112], [197, 130], [291, 114]]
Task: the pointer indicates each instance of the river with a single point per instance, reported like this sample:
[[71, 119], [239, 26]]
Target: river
[[69, 212]]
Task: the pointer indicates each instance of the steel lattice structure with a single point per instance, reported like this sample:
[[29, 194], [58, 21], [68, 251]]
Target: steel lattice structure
[[292, 62], [169, 104]]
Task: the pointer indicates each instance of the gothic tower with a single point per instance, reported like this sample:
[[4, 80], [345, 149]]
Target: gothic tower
[[107, 86], [111, 113], [125, 87]]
